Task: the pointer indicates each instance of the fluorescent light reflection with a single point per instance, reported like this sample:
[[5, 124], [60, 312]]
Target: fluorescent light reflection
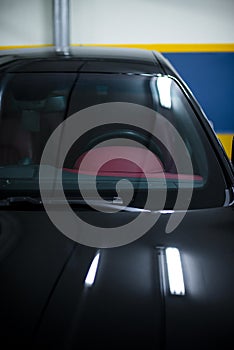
[[90, 278], [166, 211], [164, 91], [175, 273]]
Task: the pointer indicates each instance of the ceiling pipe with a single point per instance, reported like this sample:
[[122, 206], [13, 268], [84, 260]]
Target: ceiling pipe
[[61, 26]]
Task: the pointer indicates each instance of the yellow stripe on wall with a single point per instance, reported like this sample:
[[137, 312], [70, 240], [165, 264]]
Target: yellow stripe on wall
[[225, 47], [15, 47], [228, 47], [226, 140]]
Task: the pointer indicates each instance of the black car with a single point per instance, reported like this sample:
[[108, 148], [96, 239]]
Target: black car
[[116, 198]]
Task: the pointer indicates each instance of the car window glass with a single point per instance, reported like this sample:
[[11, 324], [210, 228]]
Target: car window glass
[[35, 104]]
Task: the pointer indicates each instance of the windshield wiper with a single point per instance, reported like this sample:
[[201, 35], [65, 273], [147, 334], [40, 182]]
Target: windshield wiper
[[113, 203], [27, 199]]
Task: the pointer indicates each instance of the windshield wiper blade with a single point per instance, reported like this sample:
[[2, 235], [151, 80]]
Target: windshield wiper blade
[[57, 201], [113, 203]]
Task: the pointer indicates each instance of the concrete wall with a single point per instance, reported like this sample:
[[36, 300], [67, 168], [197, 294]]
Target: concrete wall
[[152, 21], [25, 22], [30, 22]]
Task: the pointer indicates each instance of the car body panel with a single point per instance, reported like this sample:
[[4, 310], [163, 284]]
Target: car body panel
[[49, 300]]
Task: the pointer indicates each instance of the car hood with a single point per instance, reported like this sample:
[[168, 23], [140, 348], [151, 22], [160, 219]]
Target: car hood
[[46, 300]]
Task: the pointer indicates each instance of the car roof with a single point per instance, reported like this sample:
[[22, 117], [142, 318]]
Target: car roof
[[84, 59]]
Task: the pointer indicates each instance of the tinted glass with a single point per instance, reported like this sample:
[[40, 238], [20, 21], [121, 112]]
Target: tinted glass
[[34, 105]]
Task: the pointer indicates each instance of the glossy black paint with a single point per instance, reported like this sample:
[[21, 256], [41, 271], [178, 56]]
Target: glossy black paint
[[44, 302]]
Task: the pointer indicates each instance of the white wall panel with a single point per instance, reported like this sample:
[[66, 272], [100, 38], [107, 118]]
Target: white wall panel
[[25, 22], [152, 21], [30, 22]]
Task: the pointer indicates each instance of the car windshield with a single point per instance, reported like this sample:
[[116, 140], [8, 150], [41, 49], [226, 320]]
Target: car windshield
[[33, 105]]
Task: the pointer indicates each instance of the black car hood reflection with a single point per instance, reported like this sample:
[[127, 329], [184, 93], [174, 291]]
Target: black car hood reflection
[[46, 302]]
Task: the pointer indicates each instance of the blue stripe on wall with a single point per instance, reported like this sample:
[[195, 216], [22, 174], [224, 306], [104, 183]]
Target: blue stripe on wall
[[210, 76]]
